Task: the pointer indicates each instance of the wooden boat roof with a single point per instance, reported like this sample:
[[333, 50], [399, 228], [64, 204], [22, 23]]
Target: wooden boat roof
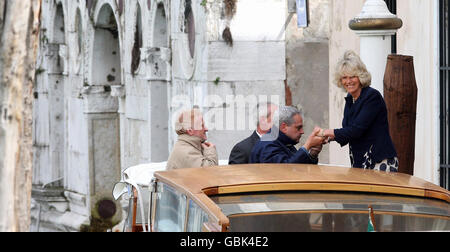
[[200, 183]]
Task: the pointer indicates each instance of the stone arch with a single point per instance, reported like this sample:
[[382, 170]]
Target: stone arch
[[58, 41], [48, 107], [159, 54], [58, 36], [102, 112], [185, 16], [106, 55], [78, 46], [160, 29]]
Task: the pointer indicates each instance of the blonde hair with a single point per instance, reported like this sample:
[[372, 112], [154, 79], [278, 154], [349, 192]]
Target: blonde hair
[[351, 65]]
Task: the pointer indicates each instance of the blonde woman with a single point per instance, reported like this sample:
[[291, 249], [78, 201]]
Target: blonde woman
[[365, 126]]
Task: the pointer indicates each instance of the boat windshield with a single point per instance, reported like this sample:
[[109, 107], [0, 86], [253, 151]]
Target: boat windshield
[[346, 212]]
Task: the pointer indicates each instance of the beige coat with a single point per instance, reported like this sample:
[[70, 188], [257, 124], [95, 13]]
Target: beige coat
[[188, 153]]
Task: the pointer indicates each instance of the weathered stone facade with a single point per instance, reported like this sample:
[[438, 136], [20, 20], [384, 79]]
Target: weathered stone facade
[[113, 73]]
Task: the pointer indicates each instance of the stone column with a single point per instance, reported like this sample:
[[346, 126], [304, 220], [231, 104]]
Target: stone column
[[119, 92], [375, 25], [157, 62], [49, 118], [101, 112]]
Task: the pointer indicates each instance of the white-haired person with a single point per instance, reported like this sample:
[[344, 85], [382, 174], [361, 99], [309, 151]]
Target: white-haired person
[[191, 149], [365, 126]]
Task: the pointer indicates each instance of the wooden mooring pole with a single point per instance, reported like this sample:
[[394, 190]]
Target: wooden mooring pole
[[400, 94]]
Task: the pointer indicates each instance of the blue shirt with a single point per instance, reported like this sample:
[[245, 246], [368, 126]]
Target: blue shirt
[[366, 129]]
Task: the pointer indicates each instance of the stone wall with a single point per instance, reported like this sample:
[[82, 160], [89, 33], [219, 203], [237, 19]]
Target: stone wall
[[112, 75]]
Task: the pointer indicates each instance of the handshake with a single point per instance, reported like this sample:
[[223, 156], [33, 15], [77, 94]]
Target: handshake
[[317, 139]]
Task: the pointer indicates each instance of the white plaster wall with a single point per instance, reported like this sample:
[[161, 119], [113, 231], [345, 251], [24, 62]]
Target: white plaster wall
[[419, 38]]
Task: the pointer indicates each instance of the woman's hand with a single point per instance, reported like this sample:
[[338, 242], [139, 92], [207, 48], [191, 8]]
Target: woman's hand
[[326, 134], [329, 133]]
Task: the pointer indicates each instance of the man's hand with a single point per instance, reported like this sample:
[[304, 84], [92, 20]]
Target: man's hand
[[207, 145], [315, 151], [314, 139]]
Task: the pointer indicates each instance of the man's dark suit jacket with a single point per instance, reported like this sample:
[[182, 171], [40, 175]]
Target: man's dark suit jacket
[[241, 152], [279, 151]]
